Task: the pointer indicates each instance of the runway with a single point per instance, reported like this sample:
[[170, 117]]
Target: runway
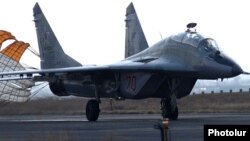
[[132, 127]]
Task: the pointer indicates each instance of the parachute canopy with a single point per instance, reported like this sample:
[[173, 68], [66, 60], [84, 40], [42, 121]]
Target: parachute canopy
[[4, 35], [13, 90]]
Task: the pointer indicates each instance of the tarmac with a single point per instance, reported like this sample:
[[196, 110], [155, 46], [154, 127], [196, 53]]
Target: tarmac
[[124, 127]]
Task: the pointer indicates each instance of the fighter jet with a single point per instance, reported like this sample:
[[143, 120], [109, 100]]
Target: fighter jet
[[167, 70]]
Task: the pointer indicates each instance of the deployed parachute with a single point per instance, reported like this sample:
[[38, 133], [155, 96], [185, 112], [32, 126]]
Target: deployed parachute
[[15, 50], [13, 90], [5, 35]]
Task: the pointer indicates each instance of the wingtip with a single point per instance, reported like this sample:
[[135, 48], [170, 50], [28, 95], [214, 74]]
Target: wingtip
[[37, 9]]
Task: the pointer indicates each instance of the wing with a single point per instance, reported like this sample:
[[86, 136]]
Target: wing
[[151, 65]]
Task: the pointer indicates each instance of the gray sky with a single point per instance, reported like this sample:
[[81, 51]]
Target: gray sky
[[93, 31]]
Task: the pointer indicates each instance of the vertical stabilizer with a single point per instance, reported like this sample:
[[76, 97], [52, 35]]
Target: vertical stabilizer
[[135, 40], [51, 52]]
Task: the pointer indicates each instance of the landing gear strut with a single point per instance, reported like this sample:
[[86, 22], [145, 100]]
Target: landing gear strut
[[92, 110]]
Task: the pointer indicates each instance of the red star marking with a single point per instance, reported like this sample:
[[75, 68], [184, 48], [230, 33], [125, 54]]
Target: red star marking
[[46, 35]]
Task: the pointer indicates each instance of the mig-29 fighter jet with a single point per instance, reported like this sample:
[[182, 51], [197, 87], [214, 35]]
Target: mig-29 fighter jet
[[167, 70]]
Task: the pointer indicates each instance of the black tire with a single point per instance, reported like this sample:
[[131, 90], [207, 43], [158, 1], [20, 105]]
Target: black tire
[[92, 110], [174, 115]]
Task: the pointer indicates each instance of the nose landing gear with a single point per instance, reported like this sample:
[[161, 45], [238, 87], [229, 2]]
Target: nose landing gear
[[169, 109]]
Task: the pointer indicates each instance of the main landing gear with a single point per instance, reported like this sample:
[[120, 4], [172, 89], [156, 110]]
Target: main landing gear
[[92, 110]]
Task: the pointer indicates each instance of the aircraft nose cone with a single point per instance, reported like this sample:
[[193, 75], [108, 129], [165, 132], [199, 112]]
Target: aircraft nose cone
[[236, 70]]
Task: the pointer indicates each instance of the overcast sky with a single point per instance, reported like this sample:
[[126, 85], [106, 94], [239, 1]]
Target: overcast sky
[[93, 31]]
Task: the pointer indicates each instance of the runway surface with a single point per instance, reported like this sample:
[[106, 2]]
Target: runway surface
[[132, 127]]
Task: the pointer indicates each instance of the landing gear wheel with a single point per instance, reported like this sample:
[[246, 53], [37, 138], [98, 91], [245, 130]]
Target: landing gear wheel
[[174, 115], [92, 110], [166, 109]]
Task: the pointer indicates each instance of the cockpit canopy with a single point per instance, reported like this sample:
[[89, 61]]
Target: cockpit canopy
[[208, 45], [194, 39]]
